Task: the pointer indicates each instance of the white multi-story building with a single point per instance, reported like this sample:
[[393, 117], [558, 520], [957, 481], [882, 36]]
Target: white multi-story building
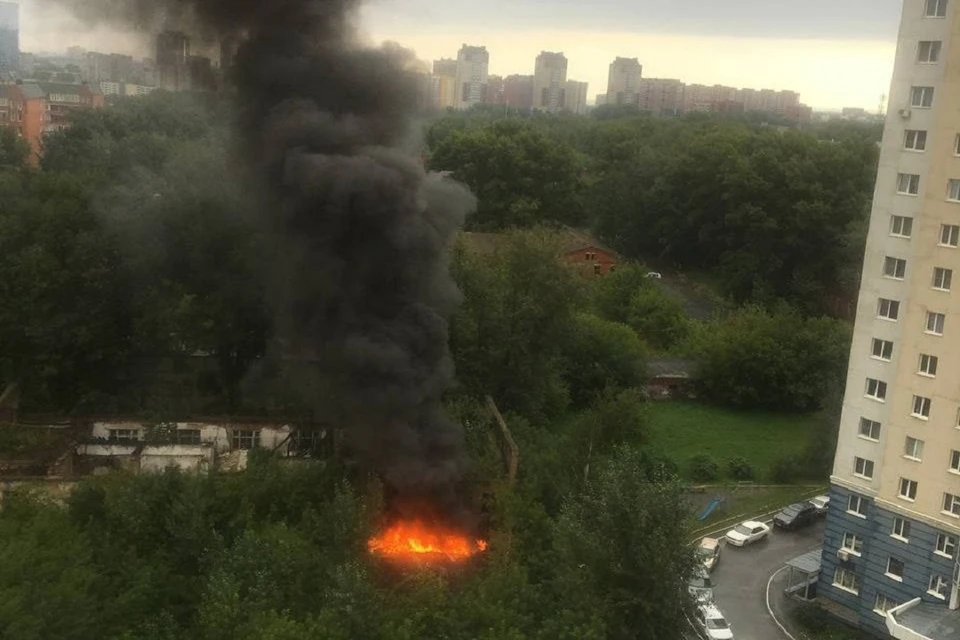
[[890, 550], [550, 82], [623, 81], [471, 79]]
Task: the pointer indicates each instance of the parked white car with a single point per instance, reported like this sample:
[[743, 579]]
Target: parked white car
[[712, 622], [656, 275], [821, 504], [747, 533]]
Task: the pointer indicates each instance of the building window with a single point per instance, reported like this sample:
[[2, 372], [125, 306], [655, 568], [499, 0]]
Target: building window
[[908, 489], [863, 468], [951, 504], [881, 349], [852, 543], [589, 256], [846, 580], [188, 436], [935, 322], [921, 97], [888, 309], [946, 545], [913, 448], [901, 529], [902, 226], [869, 429], [928, 365], [956, 145], [949, 235], [921, 407], [914, 140], [935, 9], [955, 461], [928, 51], [939, 586], [124, 435], [245, 438], [908, 184], [895, 568], [953, 190], [942, 278], [884, 604], [876, 389], [894, 268], [857, 505]]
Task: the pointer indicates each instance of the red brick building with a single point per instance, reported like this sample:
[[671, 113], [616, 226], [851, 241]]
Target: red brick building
[[586, 253], [576, 248], [33, 109]]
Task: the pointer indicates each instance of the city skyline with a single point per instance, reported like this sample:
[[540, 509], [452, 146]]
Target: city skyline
[[705, 49]]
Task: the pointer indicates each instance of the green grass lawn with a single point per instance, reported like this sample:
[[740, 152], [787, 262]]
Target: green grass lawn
[[683, 429]]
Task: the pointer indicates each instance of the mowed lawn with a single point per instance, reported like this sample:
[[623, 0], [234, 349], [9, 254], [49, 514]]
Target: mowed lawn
[[684, 429]]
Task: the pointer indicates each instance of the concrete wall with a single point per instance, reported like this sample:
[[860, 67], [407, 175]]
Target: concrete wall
[[217, 435]]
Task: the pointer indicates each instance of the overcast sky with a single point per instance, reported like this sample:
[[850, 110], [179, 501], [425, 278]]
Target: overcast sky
[[834, 52]]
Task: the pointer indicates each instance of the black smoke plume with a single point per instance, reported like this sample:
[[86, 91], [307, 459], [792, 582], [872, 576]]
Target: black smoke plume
[[362, 232]]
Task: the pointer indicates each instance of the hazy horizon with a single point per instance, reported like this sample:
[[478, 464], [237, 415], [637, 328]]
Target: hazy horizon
[[834, 56]]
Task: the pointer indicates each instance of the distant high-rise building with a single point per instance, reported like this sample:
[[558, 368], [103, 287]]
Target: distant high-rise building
[[518, 92], [9, 36], [200, 75], [471, 83], [445, 83], [494, 93], [660, 96], [601, 99], [173, 52], [623, 81], [549, 81], [575, 98]]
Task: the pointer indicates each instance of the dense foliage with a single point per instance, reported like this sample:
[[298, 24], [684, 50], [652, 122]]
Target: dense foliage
[[772, 360], [775, 213]]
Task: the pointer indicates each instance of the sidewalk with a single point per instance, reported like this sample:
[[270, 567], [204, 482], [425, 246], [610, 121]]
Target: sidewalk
[[784, 606]]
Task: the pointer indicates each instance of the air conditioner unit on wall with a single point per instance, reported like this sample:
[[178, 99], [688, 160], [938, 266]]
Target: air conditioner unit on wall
[[904, 113], [843, 554]]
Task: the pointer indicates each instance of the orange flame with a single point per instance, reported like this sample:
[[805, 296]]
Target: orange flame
[[413, 539]]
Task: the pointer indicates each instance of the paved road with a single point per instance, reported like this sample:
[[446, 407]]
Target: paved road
[[741, 579]]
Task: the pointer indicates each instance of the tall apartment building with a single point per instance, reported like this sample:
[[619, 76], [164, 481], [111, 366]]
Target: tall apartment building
[[623, 81], [889, 558], [472, 68], [494, 92], [445, 83], [550, 81], [575, 97], [518, 92], [660, 96], [173, 53], [9, 36]]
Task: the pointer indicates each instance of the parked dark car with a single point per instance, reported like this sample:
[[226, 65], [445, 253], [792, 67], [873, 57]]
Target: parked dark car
[[795, 516]]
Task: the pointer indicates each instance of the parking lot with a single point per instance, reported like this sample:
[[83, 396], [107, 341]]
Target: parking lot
[[740, 579]]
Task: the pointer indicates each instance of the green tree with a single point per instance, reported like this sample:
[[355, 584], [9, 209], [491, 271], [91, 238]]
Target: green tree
[[521, 177], [508, 334], [598, 354], [623, 553], [772, 360]]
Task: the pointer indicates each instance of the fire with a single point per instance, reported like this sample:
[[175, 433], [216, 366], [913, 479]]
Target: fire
[[416, 540]]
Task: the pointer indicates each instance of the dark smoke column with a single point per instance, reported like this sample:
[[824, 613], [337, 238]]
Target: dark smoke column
[[363, 235], [364, 293]]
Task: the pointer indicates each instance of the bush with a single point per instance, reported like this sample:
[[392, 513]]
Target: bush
[[786, 470], [703, 468], [740, 469], [779, 361]]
